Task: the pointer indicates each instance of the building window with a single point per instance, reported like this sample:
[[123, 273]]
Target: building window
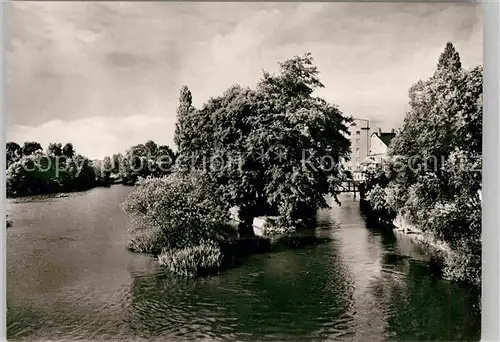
[[358, 132], [357, 149], [357, 141]]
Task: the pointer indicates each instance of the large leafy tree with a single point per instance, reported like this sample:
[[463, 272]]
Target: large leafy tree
[[107, 168], [55, 149], [273, 149], [13, 152], [68, 150], [164, 160], [115, 160], [440, 147], [145, 160], [31, 147], [151, 148], [443, 126]]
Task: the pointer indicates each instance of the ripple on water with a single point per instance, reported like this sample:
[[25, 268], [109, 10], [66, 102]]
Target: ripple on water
[[70, 278]]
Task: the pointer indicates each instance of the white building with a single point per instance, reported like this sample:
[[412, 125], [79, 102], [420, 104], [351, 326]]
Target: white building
[[379, 144], [366, 146]]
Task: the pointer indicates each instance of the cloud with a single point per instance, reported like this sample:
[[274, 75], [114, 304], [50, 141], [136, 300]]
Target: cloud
[[70, 61], [368, 54], [97, 137]]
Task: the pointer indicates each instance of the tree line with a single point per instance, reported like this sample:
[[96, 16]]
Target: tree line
[[33, 171], [432, 176]]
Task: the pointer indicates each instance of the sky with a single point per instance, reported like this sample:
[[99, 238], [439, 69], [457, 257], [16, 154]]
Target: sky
[[106, 75]]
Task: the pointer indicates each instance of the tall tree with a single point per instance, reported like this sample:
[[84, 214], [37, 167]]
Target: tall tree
[[185, 108], [68, 150], [449, 60], [151, 147], [115, 160], [165, 160], [257, 142], [31, 147], [55, 149], [13, 152], [107, 168], [443, 128]]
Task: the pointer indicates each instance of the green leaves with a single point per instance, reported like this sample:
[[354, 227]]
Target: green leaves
[[178, 210], [192, 261], [443, 131], [41, 173], [262, 136]]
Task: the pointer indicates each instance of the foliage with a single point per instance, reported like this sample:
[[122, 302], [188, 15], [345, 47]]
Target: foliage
[[176, 211], [377, 197], [13, 152], [31, 147], [192, 261], [40, 173], [464, 263], [266, 146], [68, 150], [143, 160], [150, 240], [438, 154], [115, 162], [101, 173], [55, 149], [107, 168]]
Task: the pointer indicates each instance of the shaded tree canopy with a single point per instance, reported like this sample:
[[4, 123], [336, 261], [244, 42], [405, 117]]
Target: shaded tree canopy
[[272, 141], [68, 150], [40, 173], [31, 147], [55, 149], [440, 147], [143, 160], [13, 152], [30, 171]]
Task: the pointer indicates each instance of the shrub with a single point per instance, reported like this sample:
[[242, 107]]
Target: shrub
[[192, 261], [464, 264], [175, 212], [376, 196], [147, 241]]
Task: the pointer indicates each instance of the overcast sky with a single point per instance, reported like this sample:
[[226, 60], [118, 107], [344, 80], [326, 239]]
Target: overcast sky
[[105, 76]]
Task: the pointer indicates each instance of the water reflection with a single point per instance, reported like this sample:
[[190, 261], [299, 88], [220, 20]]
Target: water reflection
[[70, 278]]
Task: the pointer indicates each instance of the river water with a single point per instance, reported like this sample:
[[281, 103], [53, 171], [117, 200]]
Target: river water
[[71, 278]]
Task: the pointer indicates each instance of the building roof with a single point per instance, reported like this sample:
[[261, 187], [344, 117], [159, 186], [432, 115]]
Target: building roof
[[385, 137]]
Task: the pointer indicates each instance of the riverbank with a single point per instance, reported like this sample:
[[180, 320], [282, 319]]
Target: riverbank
[[61, 193], [402, 224], [397, 222], [460, 263]]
